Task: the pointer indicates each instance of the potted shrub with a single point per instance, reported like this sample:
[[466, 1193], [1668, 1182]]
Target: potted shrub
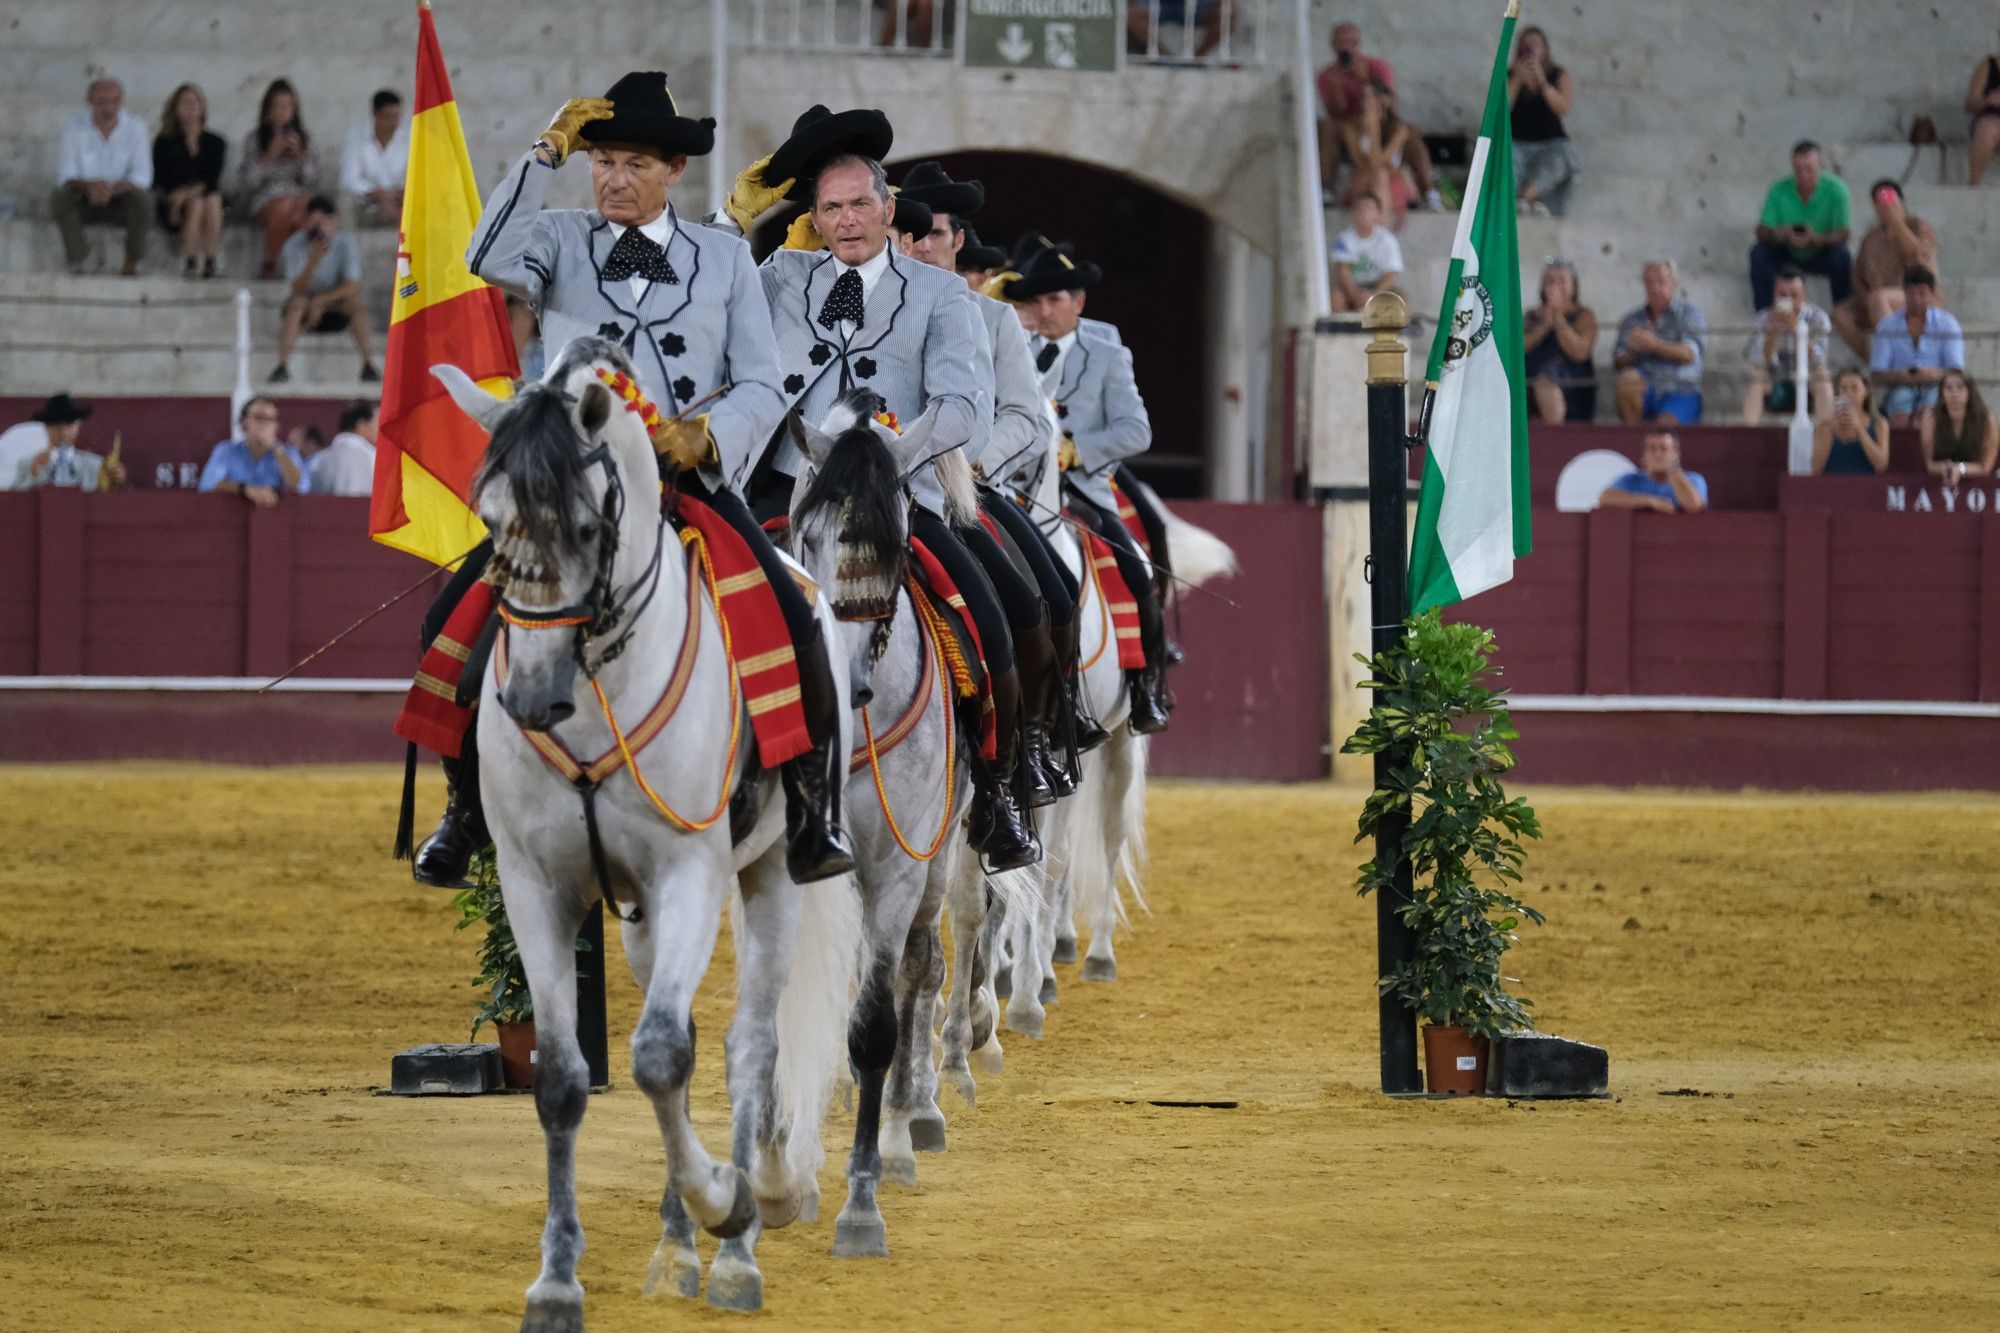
[[507, 1005], [1447, 736]]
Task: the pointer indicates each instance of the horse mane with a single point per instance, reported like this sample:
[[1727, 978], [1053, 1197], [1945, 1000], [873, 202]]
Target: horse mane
[[534, 450], [857, 486]]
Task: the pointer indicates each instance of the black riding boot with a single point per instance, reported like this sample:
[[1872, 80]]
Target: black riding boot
[[1081, 732], [1044, 779], [815, 844], [1149, 698], [447, 854], [1000, 833]]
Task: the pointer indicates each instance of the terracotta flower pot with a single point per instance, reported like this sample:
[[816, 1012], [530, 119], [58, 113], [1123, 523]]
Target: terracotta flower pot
[[517, 1054], [1454, 1061]]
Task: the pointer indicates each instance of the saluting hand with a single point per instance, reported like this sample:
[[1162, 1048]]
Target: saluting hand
[[752, 194], [561, 135]]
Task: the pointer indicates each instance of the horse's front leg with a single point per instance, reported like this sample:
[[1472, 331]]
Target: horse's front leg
[[913, 1123], [967, 900]]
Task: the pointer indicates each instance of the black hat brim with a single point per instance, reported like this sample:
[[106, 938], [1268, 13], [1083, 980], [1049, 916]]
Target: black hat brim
[[671, 135], [981, 256], [1081, 278], [861, 132], [959, 198], [62, 413], [913, 216]]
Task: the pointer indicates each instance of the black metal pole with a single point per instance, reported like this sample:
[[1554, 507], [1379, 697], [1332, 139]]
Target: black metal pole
[[591, 1031], [1388, 544]]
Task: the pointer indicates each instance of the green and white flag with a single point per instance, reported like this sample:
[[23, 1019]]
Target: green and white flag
[[1472, 515]]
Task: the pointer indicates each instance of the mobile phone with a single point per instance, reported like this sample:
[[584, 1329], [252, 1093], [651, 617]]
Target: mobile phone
[[1783, 305], [1840, 402]]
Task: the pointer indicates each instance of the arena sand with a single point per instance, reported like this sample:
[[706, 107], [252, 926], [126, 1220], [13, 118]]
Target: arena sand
[[205, 970]]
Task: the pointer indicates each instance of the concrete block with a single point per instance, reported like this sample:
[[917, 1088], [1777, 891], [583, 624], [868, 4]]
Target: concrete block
[[443, 1069], [1537, 1064]]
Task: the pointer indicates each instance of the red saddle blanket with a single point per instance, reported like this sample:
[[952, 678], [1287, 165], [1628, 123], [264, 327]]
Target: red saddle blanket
[[946, 597], [759, 640], [1117, 594], [1128, 514]]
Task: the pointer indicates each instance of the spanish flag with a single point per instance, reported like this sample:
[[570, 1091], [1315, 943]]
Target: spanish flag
[[427, 450]]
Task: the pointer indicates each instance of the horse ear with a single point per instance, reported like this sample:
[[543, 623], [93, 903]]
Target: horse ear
[[593, 409], [913, 445], [813, 442], [472, 400]]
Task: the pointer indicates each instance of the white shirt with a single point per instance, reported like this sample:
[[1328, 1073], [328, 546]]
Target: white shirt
[[366, 165], [660, 230], [344, 467], [871, 271], [18, 447], [124, 155], [1369, 258]]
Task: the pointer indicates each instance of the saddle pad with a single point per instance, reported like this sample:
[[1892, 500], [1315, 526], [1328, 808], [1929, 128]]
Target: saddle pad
[[432, 715], [950, 605], [1118, 598], [1128, 514]]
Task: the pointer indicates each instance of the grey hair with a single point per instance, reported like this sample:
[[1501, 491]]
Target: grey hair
[[1558, 263], [877, 177], [1673, 270], [103, 81]]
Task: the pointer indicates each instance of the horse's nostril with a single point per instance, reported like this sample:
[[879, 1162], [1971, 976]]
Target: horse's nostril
[[561, 711]]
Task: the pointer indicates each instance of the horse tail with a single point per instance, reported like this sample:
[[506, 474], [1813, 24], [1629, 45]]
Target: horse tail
[[1092, 863], [1198, 555], [1132, 854], [961, 497], [812, 1017]]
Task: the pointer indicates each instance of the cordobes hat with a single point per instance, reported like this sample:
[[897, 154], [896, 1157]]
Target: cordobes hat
[[975, 254], [821, 135], [61, 410], [1048, 268], [643, 112], [913, 219], [927, 183]]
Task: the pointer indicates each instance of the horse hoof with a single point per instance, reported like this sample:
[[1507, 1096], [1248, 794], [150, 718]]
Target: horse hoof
[[960, 1081], [1065, 949], [1003, 986], [675, 1271], [553, 1315], [1100, 969], [860, 1235], [927, 1130], [1027, 1022], [809, 1205], [742, 1212], [899, 1170], [735, 1285], [773, 1214], [1048, 995], [988, 1058]]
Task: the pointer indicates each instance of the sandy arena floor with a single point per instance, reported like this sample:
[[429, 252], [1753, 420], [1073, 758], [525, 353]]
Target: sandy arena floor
[[207, 969]]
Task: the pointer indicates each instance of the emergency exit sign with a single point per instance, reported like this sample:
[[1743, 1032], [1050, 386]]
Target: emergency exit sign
[[1044, 34]]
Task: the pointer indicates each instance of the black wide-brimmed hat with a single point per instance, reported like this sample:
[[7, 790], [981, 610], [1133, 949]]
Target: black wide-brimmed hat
[[927, 183], [821, 135], [913, 218], [643, 112], [976, 254], [1049, 268], [61, 410]]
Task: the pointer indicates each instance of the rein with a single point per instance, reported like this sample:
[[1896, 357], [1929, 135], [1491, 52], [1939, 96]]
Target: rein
[[933, 651]]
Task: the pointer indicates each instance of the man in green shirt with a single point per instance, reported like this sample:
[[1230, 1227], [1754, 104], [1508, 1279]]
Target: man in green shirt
[[1804, 223]]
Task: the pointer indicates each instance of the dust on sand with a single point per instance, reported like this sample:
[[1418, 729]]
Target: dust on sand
[[206, 970]]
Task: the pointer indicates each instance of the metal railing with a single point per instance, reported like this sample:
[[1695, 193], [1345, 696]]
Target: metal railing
[[1155, 32]]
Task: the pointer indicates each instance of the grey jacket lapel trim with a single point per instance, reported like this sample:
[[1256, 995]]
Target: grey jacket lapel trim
[[599, 231], [1079, 358], [685, 256]]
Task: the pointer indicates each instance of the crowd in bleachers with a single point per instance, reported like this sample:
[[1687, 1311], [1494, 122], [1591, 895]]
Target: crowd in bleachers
[[1908, 366]]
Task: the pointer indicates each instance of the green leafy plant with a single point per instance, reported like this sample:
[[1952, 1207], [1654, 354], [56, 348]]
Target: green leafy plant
[[1447, 736], [501, 978]]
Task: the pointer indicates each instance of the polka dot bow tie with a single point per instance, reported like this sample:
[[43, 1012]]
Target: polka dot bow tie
[[638, 253], [843, 302], [1047, 357]]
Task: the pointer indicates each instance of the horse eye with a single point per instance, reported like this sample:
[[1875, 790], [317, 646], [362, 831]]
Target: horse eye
[[587, 532]]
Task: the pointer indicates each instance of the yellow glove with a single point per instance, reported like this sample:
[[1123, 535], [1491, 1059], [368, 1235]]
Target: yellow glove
[[751, 195], [686, 444], [1066, 456], [560, 136], [803, 235], [997, 288]]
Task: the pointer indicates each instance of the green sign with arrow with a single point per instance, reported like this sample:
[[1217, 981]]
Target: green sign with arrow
[[1044, 34]]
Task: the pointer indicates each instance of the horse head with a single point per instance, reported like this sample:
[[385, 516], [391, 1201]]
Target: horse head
[[850, 517], [570, 491]]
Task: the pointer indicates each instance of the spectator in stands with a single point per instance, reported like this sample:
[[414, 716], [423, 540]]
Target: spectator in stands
[[102, 176], [527, 338], [256, 465], [187, 179], [1659, 350], [347, 466], [1896, 243], [1982, 100], [1772, 353], [1386, 157], [1805, 223], [1163, 27], [1659, 482], [1914, 348], [1366, 258], [1557, 338], [323, 265], [307, 441], [1854, 442], [1540, 92], [42, 451], [278, 172], [373, 163], [1959, 436], [1340, 86]]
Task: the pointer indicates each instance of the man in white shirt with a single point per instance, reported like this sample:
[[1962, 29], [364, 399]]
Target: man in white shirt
[[373, 163], [1366, 257], [104, 174], [347, 466], [47, 434]]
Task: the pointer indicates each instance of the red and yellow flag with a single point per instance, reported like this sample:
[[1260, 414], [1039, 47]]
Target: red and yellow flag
[[427, 450]]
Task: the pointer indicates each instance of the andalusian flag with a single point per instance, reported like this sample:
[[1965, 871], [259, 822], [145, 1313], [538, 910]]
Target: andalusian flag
[[1472, 516], [427, 450]]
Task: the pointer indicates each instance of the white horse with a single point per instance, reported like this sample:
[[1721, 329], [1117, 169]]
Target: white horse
[[608, 617], [907, 792]]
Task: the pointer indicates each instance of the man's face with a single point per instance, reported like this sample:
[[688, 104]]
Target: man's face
[[365, 428], [386, 121], [852, 219], [105, 100], [1805, 170], [630, 182], [1346, 40], [260, 428], [1660, 455], [1056, 313], [1030, 317], [64, 432], [1792, 290], [1918, 298], [939, 246], [322, 224], [1660, 287]]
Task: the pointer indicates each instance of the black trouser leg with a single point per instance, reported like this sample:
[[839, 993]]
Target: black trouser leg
[[1149, 686], [981, 600], [445, 857], [1053, 580], [1150, 517]]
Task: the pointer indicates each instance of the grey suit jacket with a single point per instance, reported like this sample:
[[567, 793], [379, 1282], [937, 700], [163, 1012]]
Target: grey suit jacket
[[1098, 405], [919, 346], [1021, 437], [1108, 332], [687, 338]]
